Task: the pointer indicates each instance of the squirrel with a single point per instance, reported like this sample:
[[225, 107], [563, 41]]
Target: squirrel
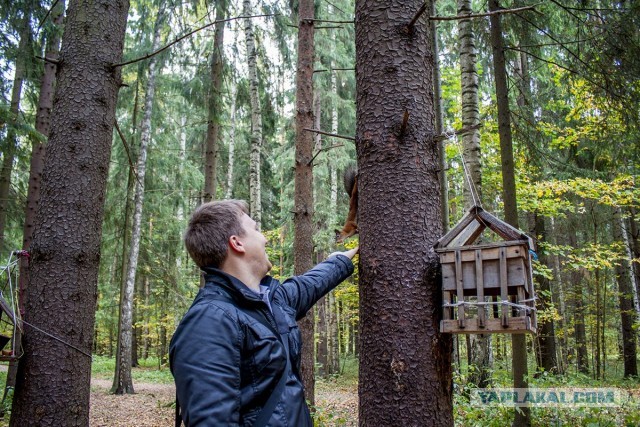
[[350, 179]]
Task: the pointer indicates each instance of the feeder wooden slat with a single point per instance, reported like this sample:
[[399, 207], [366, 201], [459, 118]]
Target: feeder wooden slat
[[460, 288], [517, 325], [480, 289]]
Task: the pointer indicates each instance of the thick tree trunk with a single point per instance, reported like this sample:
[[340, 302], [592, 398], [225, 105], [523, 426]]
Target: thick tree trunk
[[215, 105], [518, 341], [255, 200], [303, 217], [65, 252], [43, 125], [405, 363], [122, 381], [10, 144], [627, 311]]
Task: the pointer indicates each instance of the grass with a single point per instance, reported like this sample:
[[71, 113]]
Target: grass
[[149, 370]]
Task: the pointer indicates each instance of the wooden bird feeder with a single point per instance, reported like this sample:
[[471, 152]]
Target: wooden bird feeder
[[486, 288]]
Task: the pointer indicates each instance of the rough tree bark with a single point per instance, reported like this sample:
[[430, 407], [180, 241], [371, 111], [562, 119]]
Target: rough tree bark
[[303, 216], [122, 381], [255, 200], [405, 363], [518, 341], [65, 252], [215, 105]]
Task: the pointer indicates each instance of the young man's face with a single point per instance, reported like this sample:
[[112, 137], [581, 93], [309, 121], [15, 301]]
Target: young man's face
[[255, 247]]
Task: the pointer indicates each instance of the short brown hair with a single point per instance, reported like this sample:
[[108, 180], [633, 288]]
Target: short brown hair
[[209, 229]]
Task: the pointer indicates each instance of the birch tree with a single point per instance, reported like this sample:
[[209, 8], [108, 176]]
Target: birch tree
[[122, 382], [255, 200]]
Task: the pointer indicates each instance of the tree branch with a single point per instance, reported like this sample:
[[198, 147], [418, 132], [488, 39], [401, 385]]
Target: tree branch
[[324, 149], [49, 60], [448, 135], [179, 39], [335, 135], [55, 3], [327, 21], [482, 15], [333, 69], [126, 149]]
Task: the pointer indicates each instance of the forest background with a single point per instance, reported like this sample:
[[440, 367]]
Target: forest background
[[193, 125]]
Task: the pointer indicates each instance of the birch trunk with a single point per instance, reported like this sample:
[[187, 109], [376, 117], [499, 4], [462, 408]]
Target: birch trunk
[[122, 382], [255, 202], [232, 146]]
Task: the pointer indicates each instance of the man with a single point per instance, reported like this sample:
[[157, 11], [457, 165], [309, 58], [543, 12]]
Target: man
[[235, 356]]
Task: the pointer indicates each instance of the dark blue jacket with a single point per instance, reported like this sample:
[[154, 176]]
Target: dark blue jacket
[[226, 363]]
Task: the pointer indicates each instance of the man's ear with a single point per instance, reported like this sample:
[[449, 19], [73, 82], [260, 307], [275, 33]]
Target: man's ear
[[236, 244]]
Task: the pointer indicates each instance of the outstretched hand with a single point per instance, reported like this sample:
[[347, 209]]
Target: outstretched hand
[[349, 254]]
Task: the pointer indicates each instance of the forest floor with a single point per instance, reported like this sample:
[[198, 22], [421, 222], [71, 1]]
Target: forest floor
[[152, 405]]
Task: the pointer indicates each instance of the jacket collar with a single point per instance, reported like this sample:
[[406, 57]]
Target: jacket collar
[[216, 278]]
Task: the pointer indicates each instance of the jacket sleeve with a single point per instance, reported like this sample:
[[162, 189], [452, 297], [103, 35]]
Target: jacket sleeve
[[205, 363], [302, 292]]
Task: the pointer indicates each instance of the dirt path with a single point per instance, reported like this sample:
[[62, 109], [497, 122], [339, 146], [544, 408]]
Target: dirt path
[[151, 405]]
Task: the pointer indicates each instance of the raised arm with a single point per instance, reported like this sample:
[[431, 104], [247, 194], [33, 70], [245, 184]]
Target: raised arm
[[302, 292], [204, 356]]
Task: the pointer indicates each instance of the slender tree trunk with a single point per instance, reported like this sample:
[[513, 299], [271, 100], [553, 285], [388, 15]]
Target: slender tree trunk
[[442, 158], [43, 125], [547, 359], [255, 202], [522, 417], [561, 302], [579, 282], [322, 354], [405, 378], [122, 381], [10, 144], [215, 105], [479, 354], [232, 145], [635, 251], [470, 108], [303, 216], [627, 311], [65, 252], [332, 333]]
